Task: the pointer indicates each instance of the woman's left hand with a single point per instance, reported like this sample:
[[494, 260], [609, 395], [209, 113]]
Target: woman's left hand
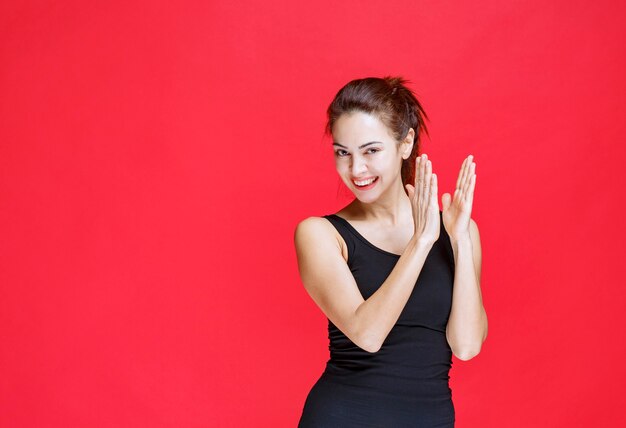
[[456, 213]]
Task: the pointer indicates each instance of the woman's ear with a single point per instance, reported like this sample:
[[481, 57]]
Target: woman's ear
[[407, 144]]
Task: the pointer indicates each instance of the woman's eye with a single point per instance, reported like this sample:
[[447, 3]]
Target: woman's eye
[[341, 153], [372, 150]]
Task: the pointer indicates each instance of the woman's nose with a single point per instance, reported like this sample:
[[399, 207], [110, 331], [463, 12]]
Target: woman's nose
[[358, 166]]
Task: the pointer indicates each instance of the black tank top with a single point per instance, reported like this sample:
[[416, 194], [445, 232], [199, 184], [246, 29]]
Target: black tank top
[[407, 380]]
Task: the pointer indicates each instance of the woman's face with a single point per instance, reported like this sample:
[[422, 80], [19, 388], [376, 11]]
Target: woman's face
[[367, 156]]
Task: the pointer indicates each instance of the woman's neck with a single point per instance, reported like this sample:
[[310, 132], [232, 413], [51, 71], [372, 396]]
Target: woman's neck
[[391, 208]]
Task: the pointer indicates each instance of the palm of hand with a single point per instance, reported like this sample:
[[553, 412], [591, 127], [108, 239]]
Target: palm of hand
[[456, 213]]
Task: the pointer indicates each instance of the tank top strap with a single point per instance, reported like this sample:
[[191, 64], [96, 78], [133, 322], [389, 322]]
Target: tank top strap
[[345, 232]]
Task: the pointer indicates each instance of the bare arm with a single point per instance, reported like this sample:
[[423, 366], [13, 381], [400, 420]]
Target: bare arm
[[467, 325], [331, 285], [328, 280]]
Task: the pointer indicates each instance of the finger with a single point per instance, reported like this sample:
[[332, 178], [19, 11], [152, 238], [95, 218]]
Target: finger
[[445, 201], [466, 173], [420, 189], [424, 178], [417, 166], [468, 200], [470, 193], [458, 179], [427, 177], [416, 180], [417, 171], [468, 180], [434, 200], [464, 177]]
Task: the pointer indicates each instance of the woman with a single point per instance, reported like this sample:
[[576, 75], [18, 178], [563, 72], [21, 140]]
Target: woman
[[398, 280]]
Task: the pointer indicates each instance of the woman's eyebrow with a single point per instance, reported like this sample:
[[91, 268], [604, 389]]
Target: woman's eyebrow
[[360, 147]]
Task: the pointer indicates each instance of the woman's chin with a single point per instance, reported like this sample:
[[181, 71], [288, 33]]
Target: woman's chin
[[366, 199]]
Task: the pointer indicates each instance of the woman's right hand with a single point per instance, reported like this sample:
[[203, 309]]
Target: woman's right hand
[[424, 201]]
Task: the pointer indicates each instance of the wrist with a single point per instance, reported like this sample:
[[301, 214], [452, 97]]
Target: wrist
[[418, 242], [461, 241], [461, 238]]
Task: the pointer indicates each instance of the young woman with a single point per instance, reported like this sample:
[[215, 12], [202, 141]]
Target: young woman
[[398, 279]]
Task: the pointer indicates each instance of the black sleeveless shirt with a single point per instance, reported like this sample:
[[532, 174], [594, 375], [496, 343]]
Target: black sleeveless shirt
[[405, 383]]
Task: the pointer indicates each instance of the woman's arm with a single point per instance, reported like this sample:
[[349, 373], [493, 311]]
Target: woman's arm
[[467, 325], [328, 280]]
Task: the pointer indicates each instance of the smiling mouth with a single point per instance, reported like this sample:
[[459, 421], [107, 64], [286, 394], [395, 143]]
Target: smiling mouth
[[365, 183]]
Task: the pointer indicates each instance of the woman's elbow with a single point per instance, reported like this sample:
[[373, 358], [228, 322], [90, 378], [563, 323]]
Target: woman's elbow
[[467, 354], [370, 346]]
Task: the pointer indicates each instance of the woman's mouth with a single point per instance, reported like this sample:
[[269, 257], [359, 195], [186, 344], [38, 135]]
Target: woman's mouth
[[365, 184]]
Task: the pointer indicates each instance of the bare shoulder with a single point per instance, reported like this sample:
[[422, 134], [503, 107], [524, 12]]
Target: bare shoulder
[[312, 224], [315, 232], [326, 275]]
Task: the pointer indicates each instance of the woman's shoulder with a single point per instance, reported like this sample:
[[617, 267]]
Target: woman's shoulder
[[312, 226], [314, 234], [321, 222]]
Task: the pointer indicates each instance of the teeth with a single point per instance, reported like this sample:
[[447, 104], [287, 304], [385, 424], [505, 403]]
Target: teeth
[[365, 182]]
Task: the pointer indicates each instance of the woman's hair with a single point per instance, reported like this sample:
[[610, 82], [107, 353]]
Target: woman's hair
[[392, 102]]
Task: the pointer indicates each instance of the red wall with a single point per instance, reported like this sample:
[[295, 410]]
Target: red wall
[[155, 158]]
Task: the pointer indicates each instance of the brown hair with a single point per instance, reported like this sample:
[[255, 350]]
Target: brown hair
[[392, 102]]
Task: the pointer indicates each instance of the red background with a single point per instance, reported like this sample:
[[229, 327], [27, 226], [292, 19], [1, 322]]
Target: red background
[[155, 158]]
